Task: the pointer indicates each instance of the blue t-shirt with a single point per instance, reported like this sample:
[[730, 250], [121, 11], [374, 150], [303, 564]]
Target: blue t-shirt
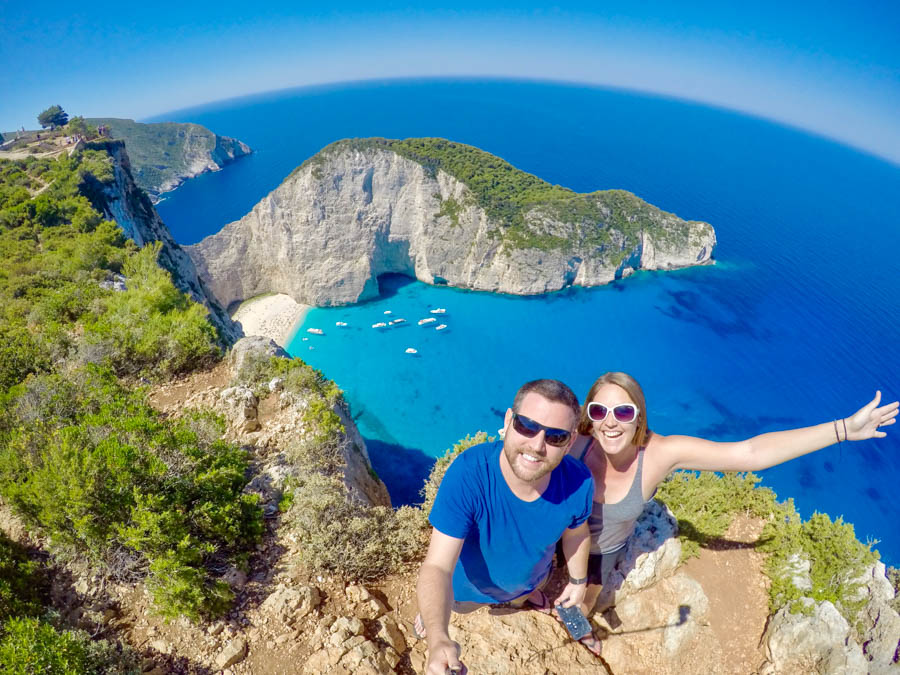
[[508, 543]]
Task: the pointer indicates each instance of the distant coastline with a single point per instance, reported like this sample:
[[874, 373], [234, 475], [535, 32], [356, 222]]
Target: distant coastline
[[274, 315]]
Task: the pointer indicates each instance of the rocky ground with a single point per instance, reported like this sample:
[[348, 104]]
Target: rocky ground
[[705, 616]]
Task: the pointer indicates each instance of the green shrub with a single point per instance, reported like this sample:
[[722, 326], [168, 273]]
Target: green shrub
[[99, 471], [342, 537], [837, 562], [57, 249], [29, 646], [704, 504], [20, 582], [152, 328]]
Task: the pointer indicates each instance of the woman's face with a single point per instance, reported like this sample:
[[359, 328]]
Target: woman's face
[[614, 436]]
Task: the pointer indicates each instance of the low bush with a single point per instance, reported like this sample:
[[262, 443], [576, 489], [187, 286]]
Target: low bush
[[837, 562], [29, 642], [29, 646], [103, 475], [21, 583], [151, 328], [363, 542], [705, 503], [346, 538]]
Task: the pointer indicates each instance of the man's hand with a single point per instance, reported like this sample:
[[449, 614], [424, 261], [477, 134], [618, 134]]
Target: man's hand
[[443, 657], [572, 594]]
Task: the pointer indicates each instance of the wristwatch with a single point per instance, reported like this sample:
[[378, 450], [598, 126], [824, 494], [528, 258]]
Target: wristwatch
[[573, 580]]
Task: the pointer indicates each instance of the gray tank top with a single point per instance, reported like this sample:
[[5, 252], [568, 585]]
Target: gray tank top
[[612, 524]]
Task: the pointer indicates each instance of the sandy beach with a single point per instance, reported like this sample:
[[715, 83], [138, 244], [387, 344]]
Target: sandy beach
[[273, 316]]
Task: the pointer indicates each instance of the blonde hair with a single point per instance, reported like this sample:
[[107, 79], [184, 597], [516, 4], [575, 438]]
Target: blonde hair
[[635, 393]]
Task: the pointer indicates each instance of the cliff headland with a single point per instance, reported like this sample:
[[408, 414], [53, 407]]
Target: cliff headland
[[165, 154], [440, 212]]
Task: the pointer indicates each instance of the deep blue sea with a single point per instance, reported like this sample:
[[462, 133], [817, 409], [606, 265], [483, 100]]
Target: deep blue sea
[[798, 323]]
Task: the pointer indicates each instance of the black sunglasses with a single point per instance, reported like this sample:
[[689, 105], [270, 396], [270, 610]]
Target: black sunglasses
[[529, 429]]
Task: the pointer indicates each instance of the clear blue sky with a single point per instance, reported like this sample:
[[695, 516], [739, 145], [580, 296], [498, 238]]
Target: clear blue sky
[[832, 68]]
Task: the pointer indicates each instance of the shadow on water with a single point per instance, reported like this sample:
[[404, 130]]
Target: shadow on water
[[734, 426], [402, 469], [695, 308]]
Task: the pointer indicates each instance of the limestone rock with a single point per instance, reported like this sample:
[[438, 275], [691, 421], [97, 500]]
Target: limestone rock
[[291, 603], [234, 652], [178, 151], [323, 661], [518, 642], [241, 409], [367, 605], [252, 346], [390, 632], [815, 643], [345, 628], [235, 578], [651, 554], [797, 567], [881, 623], [161, 646], [353, 213]]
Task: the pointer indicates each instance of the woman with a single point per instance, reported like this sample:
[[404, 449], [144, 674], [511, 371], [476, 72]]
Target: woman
[[628, 461]]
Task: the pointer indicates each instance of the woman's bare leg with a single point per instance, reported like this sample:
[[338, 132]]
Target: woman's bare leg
[[590, 598]]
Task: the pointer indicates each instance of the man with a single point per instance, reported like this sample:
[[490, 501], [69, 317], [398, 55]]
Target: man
[[498, 514]]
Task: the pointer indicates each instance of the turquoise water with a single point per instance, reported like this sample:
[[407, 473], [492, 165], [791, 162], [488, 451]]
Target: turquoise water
[[796, 324]]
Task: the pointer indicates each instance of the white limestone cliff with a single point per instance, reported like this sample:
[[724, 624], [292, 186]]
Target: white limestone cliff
[[350, 214], [202, 151]]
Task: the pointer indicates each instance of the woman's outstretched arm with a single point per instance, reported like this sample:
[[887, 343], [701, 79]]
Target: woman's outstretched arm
[[765, 450]]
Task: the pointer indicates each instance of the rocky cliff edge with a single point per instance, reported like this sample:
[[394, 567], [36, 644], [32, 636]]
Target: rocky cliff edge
[[125, 203]]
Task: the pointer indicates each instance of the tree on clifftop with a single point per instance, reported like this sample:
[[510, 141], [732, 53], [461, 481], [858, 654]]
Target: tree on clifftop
[[53, 117]]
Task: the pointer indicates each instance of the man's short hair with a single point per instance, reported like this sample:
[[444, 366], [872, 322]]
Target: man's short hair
[[552, 390]]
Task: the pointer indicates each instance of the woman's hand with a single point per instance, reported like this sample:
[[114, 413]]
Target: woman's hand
[[865, 422]]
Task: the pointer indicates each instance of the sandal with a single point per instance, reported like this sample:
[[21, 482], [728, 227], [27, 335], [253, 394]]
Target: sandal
[[419, 627], [592, 644], [543, 605]]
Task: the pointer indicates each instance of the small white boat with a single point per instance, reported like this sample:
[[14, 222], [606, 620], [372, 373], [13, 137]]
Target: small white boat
[[340, 323], [304, 339], [315, 331], [380, 324], [430, 319], [440, 327], [410, 350], [387, 311], [439, 310], [396, 321]]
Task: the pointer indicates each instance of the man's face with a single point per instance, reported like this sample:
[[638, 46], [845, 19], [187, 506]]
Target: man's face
[[532, 458]]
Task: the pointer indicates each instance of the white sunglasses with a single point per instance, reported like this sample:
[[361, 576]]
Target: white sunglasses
[[624, 412]]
